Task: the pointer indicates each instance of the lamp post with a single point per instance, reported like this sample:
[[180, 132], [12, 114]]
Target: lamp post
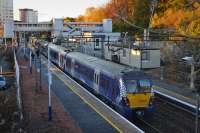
[[30, 64], [49, 87]]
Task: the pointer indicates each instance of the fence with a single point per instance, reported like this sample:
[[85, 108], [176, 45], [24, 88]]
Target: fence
[[19, 100]]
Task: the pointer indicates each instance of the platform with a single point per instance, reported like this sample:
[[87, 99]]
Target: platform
[[183, 94], [184, 98], [90, 114]]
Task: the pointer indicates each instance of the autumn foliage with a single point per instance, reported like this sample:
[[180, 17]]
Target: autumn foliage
[[182, 15], [134, 11]]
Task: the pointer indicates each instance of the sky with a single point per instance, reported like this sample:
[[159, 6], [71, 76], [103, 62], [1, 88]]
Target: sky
[[49, 9]]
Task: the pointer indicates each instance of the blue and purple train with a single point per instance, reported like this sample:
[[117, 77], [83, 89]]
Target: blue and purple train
[[128, 89]]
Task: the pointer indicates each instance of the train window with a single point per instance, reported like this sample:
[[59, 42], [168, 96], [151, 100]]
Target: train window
[[89, 73], [97, 79], [68, 62], [131, 86], [114, 92], [144, 85], [104, 82]]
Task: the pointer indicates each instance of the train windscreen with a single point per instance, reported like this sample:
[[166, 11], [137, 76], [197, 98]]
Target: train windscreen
[[134, 86], [131, 86], [144, 85]]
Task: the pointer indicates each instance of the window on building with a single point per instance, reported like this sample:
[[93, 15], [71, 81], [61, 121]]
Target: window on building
[[97, 42], [145, 55]]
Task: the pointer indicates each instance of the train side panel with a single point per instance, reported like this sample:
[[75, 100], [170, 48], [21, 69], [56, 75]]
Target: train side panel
[[68, 64], [108, 87], [84, 73], [54, 56]]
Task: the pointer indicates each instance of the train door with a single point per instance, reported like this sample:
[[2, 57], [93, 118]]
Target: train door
[[96, 80], [59, 59], [61, 62], [72, 67]]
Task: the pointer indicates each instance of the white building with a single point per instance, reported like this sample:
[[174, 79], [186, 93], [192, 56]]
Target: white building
[[6, 19], [135, 56], [28, 15], [93, 42], [6, 10]]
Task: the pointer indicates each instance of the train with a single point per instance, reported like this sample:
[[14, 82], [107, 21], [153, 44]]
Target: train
[[129, 90]]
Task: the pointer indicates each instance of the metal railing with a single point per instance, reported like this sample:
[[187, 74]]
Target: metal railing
[[19, 99]]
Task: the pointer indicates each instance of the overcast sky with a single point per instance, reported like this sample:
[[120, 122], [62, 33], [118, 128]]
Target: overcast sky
[[56, 8]]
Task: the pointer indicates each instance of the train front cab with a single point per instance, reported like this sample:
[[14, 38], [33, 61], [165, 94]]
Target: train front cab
[[139, 99]]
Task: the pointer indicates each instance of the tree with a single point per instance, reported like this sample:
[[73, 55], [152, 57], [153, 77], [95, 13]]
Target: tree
[[142, 13], [69, 19], [182, 15]]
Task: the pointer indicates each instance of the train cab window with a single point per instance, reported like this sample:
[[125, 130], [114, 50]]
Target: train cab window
[[131, 86], [144, 86]]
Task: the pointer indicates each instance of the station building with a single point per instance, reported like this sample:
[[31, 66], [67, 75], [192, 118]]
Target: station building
[[6, 20], [136, 56], [28, 15]]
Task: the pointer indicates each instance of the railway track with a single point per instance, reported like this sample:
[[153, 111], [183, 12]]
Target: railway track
[[145, 125], [168, 118]]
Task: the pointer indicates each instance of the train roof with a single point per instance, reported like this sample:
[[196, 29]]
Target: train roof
[[103, 65], [112, 68], [59, 49]]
